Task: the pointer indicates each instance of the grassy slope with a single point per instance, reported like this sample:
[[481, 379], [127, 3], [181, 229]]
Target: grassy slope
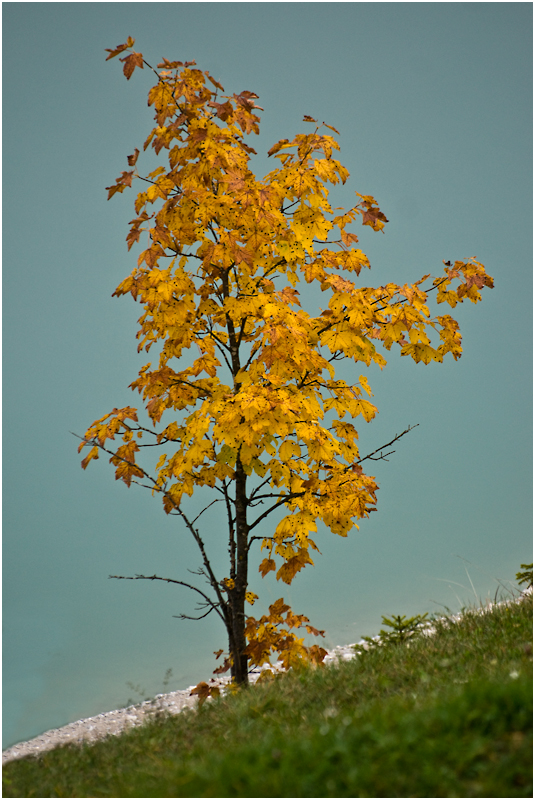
[[448, 716]]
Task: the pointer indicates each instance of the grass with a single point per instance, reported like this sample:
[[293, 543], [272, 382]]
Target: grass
[[442, 716]]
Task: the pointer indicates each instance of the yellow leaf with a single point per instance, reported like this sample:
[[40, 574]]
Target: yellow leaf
[[364, 383]]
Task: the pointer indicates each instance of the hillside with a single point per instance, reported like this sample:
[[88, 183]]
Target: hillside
[[446, 715]]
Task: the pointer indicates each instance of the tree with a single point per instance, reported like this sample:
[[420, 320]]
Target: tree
[[248, 375]]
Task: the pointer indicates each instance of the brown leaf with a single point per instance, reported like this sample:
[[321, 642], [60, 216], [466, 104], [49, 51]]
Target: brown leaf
[[151, 255], [133, 158], [169, 64], [314, 631], [126, 178], [371, 217], [120, 48], [223, 110], [317, 653], [246, 99], [475, 280], [133, 236], [198, 135], [204, 691], [213, 80], [267, 565], [131, 62], [225, 666]]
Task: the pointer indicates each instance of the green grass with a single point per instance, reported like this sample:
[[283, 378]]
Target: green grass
[[445, 716]]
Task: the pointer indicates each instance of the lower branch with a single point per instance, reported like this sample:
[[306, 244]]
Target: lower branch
[[213, 606]]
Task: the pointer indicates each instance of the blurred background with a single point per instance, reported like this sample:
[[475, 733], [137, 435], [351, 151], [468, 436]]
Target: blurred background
[[433, 103]]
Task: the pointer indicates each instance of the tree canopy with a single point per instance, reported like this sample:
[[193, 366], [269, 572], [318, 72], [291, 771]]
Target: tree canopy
[[244, 375]]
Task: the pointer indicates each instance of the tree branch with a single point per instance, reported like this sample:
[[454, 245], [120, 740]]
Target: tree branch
[[205, 509], [396, 437], [213, 606], [194, 531]]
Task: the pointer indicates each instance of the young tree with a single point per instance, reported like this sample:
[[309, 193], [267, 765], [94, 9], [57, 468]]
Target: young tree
[[259, 415]]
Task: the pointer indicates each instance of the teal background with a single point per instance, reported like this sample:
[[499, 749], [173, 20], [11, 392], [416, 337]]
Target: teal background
[[433, 102]]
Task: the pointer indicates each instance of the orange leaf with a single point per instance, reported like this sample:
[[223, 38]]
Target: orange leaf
[[331, 128], [278, 146], [92, 454], [267, 565]]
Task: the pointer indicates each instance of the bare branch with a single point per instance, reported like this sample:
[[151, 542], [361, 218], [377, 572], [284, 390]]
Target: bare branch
[[185, 616], [258, 488], [213, 606], [395, 439], [205, 509]]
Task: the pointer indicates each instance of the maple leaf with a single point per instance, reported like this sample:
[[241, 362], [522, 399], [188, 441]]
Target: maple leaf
[[289, 296], [349, 238], [278, 146], [223, 110], [475, 280], [294, 565], [120, 48], [131, 62], [374, 218], [93, 453], [267, 565], [203, 691], [246, 99], [235, 180]]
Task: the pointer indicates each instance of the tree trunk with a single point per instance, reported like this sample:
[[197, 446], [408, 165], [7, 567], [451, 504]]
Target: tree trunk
[[239, 667], [237, 642]]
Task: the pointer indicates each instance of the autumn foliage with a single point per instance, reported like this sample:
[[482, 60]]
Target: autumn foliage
[[242, 393]]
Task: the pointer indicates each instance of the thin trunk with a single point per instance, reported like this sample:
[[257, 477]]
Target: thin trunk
[[237, 640], [239, 667]]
